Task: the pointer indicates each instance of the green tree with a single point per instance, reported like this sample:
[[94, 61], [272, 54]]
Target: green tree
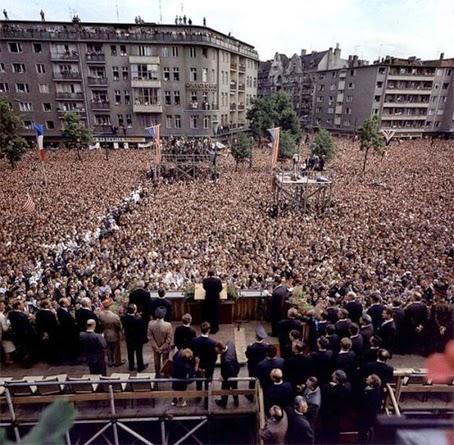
[[370, 137], [287, 145], [241, 148], [12, 146], [261, 117], [323, 144], [77, 133]]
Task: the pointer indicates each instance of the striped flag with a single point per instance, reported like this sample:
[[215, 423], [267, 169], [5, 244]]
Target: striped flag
[[275, 133], [39, 130], [153, 132], [29, 205]]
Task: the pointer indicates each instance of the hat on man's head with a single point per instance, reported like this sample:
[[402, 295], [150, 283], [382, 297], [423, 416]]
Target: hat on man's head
[[260, 332]]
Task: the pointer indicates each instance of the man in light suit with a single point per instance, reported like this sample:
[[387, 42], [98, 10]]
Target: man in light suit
[[111, 328], [93, 347], [160, 335]]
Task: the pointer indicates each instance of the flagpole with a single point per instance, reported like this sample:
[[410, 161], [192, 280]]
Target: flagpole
[[44, 172]]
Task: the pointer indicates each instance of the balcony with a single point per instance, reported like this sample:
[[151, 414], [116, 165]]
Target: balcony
[[100, 105], [232, 107], [204, 106], [242, 67], [406, 104], [233, 85], [144, 82], [66, 56], [63, 95], [67, 75], [95, 57], [144, 59], [411, 77], [401, 117], [241, 87], [233, 67], [411, 90], [79, 111], [241, 107], [97, 81], [146, 108]]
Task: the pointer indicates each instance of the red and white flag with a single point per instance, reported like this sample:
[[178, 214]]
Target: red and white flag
[[154, 132], [39, 130], [275, 133], [29, 205]]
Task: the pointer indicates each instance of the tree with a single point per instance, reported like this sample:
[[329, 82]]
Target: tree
[[12, 146], [76, 132], [261, 117], [370, 137], [241, 148], [323, 144], [287, 145], [285, 115]]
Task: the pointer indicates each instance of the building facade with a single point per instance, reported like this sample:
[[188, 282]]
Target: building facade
[[121, 78], [410, 96]]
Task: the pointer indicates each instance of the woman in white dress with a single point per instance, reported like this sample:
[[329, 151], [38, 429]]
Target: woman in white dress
[[7, 345]]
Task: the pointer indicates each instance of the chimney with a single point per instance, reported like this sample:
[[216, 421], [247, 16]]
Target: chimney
[[442, 56], [303, 52], [337, 51]]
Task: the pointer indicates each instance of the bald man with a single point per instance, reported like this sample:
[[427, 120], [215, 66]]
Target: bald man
[[93, 347]]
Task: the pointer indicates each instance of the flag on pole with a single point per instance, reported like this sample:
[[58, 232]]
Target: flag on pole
[[275, 133], [153, 132], [29, 205], [39, 130]]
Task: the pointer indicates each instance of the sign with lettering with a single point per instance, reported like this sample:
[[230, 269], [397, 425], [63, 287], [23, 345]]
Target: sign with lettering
[[118, 139], [204, 86]]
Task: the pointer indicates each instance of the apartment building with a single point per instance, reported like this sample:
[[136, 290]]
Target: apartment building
[[121, 78], [410, 96]]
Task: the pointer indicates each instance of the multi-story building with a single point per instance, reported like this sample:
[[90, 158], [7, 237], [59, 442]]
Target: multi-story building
[[410, 96], [121, 78]]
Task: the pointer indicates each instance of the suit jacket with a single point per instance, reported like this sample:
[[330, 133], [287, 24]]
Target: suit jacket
[[284, 328], [280, 395], [299, 429], [387, 332], [163, 303], [357, 345], [213, 288], [335, 401], [355, 310], [347, 362], [82, 316], [264, 368], [367, 332], [297, 368], [255, 353], [273, 433], [93, 347], [323, 363], [343, 327], [20, 325], [229, 362], [183, 337], [334, 343], [46, 323], [111, 326], [332, 314], [135, 329], [383, 370], [278, 298], [376, 313], [141, 298], [160, 335], [204, 349], [67, 323], [416, 314]]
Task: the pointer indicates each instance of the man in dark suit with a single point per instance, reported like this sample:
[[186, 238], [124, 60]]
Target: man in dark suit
[[401, 328], [255, 353], [229, 369], [264, 367], [298, 367], [322, 361], [375, 311], [299, 429], [387, 330], [277, 305], [370, 402], [279, 393], [284, 328], [204, 349], [68, 331], [332, 311], [354, 307], [161, 302], [141, 298], [343, 323], [346, 359], [366, 329], [378, 367], [357, 340], [85, 313], [211, 305], [184, 334], [93, 347], [333, 339], [417, 316], [135, 335], [47, 329]]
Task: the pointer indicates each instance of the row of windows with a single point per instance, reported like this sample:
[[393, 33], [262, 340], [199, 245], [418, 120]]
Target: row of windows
[[50, 125], [20, 68]]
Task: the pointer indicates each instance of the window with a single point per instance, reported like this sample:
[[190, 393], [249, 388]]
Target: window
[[25, 106], [127, 97], [3, 87], [192, 52], [379, 84], [174, 51], [115, 73], [123, 51], [146, 96], [166, 73], [128, 120], [176, 98], [193, 74], [213, 75], [332, 87], [320, 99], [47, 106], [18, 68], [349, 98], [322, 87], [50, 125], [167, 98], [27, 125], [102, 119], [168, 121], [40, 68], [22, 88], [113, 50], [117, 94], [330, 110], [177, 121], [120, 120], [352, 73], [255, 82], [206, 122], [125, 72], [165, 51], [377, 98], [176, 74], [351, 86], [142, 71], [15, 47], [205, 52], [145, 50], [2, 67], [445, 86], [194, 121], [43, 88], [348, 110], [204, 74], [381, 70], [37, 48], [194, 96]]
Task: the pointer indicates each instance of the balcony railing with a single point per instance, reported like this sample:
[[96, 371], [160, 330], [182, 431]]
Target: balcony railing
[[96, 105], [241, 86], [195, 106], [67, 56], [70, 96], [233, 85], [232, 107], [242, 67], [95, 57], [67, 75], [241, 107], [97, 81], [233, 66]]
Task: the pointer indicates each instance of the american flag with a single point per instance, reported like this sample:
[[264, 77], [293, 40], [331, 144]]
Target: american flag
[[275, 133], [29, 205], [153, 131], [39, 130]]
